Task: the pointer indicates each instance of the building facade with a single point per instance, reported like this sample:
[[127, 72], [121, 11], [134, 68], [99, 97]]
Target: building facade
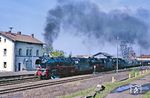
[[18, 52]]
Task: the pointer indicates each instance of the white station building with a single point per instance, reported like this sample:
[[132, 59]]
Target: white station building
[[18, 52]]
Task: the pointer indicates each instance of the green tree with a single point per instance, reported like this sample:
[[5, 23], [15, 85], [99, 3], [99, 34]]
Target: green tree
[[52, 52], [57, 53]]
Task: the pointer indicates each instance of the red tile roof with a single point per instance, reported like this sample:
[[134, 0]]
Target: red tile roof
[[21, 37], [145, 56]]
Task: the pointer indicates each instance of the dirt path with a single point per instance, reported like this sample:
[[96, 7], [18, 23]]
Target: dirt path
[[126, 94]]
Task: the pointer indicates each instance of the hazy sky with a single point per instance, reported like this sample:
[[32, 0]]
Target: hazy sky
[[29, 16]]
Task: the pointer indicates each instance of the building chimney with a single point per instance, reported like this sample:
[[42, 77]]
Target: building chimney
[[10, 29], [19, 33], [32, 35]]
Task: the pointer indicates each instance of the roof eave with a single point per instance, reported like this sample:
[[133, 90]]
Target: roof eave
[[7, 37], [28, 42]]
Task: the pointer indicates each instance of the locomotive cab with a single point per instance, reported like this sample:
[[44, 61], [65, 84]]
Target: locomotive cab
[[37, 63]]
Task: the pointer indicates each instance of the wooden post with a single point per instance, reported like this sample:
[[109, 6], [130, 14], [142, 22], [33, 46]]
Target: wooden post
[[135, 74], [113, 79], [129, 75], [143, 71], [140, 72], [146, 71]]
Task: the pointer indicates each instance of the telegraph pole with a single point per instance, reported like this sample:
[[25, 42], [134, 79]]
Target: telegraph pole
[[117, 56]]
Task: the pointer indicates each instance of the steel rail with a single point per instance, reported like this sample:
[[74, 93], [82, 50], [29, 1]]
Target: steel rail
[[55, 82], [17, 80], [50, 83]]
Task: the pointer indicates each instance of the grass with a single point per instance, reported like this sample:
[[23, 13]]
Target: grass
[[111, 86], [108, 87], [134, 72], [147, 95]]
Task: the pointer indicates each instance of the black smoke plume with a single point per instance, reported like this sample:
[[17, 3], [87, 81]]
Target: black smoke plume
[[89, 20]]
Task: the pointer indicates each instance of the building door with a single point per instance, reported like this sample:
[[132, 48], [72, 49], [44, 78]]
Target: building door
[[19, 66], [29, 65]]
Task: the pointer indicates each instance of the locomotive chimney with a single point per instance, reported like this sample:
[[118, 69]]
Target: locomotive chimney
[[19, 32], [10, 29]]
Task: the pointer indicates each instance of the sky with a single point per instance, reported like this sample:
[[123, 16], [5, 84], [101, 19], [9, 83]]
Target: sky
[[29, 16]]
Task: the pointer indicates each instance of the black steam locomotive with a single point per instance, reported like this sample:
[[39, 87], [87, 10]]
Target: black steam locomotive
[[61, 67], [56, 67]]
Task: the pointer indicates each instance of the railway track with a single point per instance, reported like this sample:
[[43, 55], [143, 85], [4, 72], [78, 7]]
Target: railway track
[[50, 82], [44, 83], [17, 80], [32, 86], [11, 78]]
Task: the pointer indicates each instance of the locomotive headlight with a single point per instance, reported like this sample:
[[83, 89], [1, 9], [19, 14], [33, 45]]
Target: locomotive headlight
[[76, 62], [43, 73], [94, 66]]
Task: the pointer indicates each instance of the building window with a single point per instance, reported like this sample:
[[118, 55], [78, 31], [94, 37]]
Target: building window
[[30, 52], [27, 52], [19, 66], [5, 52], [37, 52], [20, 52], [4, 40], [5, 64]]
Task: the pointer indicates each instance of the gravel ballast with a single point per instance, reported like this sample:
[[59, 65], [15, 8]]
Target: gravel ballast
[[66, 88]]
